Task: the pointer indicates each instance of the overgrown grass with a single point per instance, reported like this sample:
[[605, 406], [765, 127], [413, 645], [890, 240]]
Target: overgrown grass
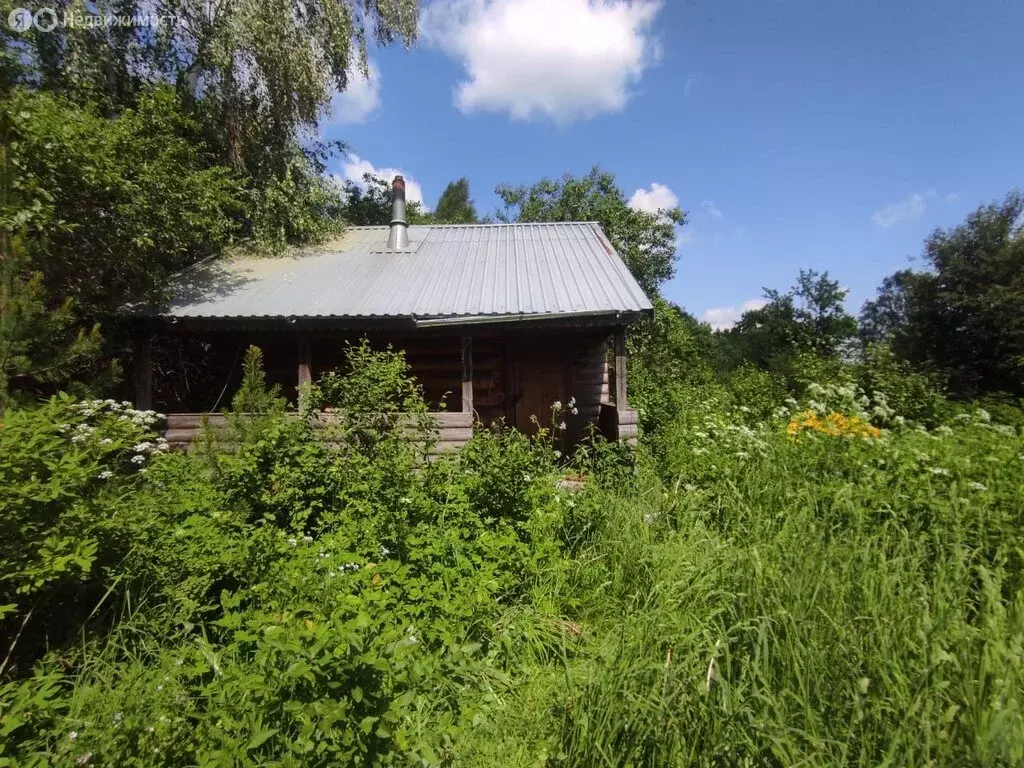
[[744, 595]]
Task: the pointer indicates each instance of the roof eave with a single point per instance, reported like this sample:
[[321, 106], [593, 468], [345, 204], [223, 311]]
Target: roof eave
[[592, 319]]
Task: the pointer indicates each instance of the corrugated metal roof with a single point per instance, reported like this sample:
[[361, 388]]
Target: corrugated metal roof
[[453, 271]]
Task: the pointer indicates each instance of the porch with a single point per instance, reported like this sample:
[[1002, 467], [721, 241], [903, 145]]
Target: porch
[[469, 380]]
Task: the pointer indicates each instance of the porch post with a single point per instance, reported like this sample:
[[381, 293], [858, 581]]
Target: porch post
[[620, 369], [305, 369], [144, 372], [467, 374]]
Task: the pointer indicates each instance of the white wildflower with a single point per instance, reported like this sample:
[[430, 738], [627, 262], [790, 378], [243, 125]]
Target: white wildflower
[[557, 405], [974, 486], [941, 471], [307, 539], [293, 542], [73, 735], [106, 474], [138, 459]]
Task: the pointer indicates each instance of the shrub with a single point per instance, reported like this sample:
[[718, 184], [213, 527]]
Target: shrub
[[911, 395], [756, 393]]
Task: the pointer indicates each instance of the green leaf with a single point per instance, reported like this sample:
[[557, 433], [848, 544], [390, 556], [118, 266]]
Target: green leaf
[[260, 738]]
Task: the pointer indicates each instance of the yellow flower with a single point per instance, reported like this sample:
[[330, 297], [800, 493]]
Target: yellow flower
[[834, 424]]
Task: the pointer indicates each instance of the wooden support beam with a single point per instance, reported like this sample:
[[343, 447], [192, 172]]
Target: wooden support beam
[[305, 369], [467, 374], [620, 369], [144, 373]]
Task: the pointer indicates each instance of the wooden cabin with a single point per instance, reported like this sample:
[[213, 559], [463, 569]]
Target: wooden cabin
[[498, 322]]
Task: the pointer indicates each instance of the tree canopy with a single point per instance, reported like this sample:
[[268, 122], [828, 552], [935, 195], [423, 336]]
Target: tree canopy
[[809, 318], [136, 150], [963, 315], [646, 241], [252, 73], [369, 204], [455, 206]]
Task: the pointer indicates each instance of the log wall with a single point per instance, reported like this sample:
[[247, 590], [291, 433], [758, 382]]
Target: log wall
[[185, 429]]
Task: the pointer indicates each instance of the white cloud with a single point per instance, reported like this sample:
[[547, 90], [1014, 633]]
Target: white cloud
[[688, 85], [711, 209], [565, 60], [355, 167], [684, 238], [357, 102], [721, 318], [657, 198], [909, 209]]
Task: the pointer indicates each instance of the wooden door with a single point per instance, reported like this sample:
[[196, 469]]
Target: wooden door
[[538, 380]]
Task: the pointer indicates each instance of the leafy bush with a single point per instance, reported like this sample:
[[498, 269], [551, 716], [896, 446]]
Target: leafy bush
[[735, 596], [912, 396], [755, 392], [64, 470]]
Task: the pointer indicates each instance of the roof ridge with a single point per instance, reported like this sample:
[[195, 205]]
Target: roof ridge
[[376, 227]]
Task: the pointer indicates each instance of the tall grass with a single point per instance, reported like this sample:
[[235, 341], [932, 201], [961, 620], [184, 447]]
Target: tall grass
[[827, 602], [741, 597]]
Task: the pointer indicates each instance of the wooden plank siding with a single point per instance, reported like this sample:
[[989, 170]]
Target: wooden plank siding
[[183, 430]]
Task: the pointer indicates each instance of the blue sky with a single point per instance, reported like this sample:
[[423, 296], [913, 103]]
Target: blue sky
[[833, 135]]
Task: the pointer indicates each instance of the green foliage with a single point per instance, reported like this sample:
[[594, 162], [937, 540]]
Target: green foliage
[[645, 241], [755, 392], [254, 76], [299, 207], [124, 201], [962, 317], [455, 206], [913, 396], [668, 356], [375, 381], [369, 203], [306, 601], [38, 345], [808, 320], [253, 395]]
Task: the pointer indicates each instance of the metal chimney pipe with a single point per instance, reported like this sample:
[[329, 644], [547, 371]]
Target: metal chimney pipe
[[398, 238]]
